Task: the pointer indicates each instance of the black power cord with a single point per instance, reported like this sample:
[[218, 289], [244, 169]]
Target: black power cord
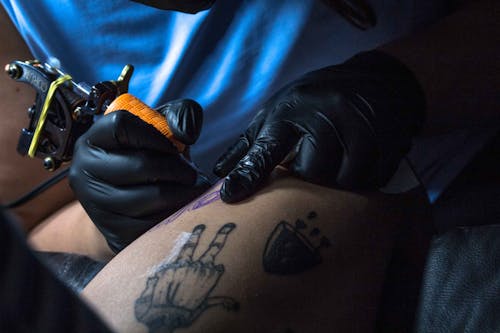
[[39, 189]]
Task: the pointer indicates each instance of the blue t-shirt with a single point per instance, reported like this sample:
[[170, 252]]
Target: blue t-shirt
[[230, 58]]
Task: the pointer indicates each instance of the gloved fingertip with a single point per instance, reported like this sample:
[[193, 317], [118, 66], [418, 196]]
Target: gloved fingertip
[[227, 161], [185, 118], [232, 190], [219, 169]]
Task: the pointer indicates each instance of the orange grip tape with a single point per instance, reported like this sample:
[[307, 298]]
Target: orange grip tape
[[135, 106]]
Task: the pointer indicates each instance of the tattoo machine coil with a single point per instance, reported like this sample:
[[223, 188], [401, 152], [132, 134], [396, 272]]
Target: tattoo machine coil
[[64, 110]]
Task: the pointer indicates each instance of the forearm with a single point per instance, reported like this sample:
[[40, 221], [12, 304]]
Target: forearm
[[457, 63], [271, 279], [19, 174]]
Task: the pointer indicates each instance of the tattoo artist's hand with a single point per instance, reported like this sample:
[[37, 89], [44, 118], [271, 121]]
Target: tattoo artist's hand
[[129, 177], [345, 126]]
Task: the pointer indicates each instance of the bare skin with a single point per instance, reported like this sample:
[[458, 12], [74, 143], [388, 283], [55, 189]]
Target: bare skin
[[19, 174], [73, 229], [225, 268]]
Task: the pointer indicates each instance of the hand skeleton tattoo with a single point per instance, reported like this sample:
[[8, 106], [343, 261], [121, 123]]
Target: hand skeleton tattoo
[[179, 292]]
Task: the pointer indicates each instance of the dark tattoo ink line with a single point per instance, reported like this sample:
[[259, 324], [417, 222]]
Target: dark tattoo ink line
[[289, 251], [179, 292]]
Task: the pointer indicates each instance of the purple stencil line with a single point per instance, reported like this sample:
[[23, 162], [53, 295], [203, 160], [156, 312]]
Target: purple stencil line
[[203, 201]]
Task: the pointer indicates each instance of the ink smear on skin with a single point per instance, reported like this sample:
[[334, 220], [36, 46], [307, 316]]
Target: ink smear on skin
[[176, 249]]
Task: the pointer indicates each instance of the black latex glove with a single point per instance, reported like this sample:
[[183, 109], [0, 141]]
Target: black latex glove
[[129, 177], [345, 126]]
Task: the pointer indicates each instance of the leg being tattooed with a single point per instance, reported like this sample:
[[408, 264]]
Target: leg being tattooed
[[303, 258], [176, 295]]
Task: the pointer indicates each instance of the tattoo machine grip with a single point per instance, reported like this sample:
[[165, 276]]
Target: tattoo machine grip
[[135, 106]]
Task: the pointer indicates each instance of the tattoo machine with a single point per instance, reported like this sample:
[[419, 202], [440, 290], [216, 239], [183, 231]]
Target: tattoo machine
[[64, 110]]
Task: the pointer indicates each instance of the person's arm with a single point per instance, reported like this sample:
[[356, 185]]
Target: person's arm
[[51, 227], [19, 174], [120, 159], [294, 258], [457, 62]]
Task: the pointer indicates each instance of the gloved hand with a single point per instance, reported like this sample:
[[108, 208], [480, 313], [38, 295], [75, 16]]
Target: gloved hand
[[129, 177], [345, 126]]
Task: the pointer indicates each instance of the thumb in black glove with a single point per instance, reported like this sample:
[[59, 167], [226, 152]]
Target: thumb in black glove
[[128, 176], [345, 126]]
